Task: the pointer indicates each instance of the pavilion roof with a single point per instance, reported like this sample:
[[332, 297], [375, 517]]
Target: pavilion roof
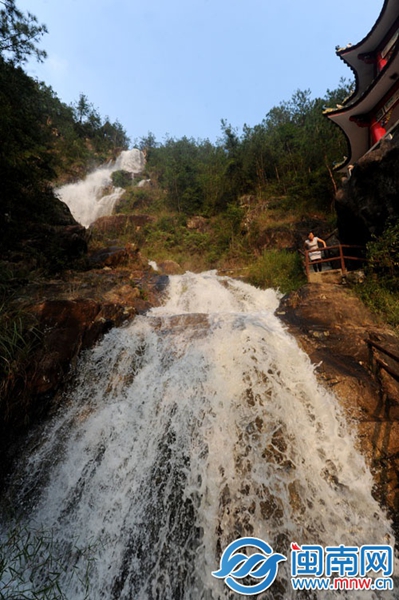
[[369, 90], [353, 54]]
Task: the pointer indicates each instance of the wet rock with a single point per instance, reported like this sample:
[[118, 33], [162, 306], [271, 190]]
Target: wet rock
[[111, 256], [69, 326], [115, 256], [124, 295], [344, 364], [56, 242], [169, 267], [66, 328], [271, 507], [296, 493]]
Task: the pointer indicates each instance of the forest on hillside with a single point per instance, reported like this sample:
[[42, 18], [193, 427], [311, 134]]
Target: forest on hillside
[[290, 155]]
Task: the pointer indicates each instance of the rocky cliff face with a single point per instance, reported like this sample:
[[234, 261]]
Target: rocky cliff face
[[70, 314], [369, 197], [48, 239], [67, 304], [332, 326]]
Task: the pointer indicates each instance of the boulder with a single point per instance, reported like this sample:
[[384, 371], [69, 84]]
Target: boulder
[[169, 267], [114, 256], [111, 256], [125, 295]]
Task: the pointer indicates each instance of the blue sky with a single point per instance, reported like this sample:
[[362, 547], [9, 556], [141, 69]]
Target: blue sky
[[177, 67]]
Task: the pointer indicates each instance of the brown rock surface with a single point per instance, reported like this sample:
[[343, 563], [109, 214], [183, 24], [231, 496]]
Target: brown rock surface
[[68, 326], [116, 224], [169, 267], [70, 315], [331, 324]]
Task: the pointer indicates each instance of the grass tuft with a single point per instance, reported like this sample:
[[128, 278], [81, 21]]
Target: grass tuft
[[279, 269]]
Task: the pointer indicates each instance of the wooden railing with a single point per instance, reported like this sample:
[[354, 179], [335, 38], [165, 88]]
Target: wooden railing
[[340, 258], [378, 363]]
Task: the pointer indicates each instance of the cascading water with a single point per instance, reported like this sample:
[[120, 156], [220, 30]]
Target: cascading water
[[196, 424], [86, 199]]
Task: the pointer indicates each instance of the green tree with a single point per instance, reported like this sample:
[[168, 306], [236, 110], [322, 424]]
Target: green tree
[[146, 144], [114, 135], [82, 108], [19, 34], [176, 167], [26, 162], [235, 181]]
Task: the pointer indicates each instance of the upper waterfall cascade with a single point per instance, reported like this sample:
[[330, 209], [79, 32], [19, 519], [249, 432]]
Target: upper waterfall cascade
[[198, 423], [94, 196]]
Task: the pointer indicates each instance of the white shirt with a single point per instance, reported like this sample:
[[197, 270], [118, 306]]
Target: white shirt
[[313, 247]]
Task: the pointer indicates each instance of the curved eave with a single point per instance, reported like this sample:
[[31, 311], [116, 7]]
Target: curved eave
[[358, 137], [364, 72]]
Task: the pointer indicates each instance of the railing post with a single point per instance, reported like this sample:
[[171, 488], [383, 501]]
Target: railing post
[[307, 264], [341, 255], [372, 362]]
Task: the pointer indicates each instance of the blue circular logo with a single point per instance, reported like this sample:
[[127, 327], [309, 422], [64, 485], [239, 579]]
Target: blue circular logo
[[235, 565]]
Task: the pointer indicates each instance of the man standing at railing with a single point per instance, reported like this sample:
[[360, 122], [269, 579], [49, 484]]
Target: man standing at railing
[[312, 245]]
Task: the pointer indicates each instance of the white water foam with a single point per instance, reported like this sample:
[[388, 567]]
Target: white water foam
[[88, 200], [197, 424]]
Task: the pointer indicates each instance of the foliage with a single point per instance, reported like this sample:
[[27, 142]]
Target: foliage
[[278, 269], [134, 198], [177, 165], [26, 165], [121, 178], [383, 255], [285, 159], [19, 337], [102, 136], [380, 300], [19, 34], [380, 289], [285, 162], [289, 154]]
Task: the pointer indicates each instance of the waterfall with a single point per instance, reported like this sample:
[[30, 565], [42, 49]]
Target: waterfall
[[95, 196], [198, 423]]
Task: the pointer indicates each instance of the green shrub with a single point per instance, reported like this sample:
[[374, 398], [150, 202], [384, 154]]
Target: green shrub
[[383, 255], [380, 300], [278, 269], [18, 338], [379, 292], [133, 197], [121, 178]]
